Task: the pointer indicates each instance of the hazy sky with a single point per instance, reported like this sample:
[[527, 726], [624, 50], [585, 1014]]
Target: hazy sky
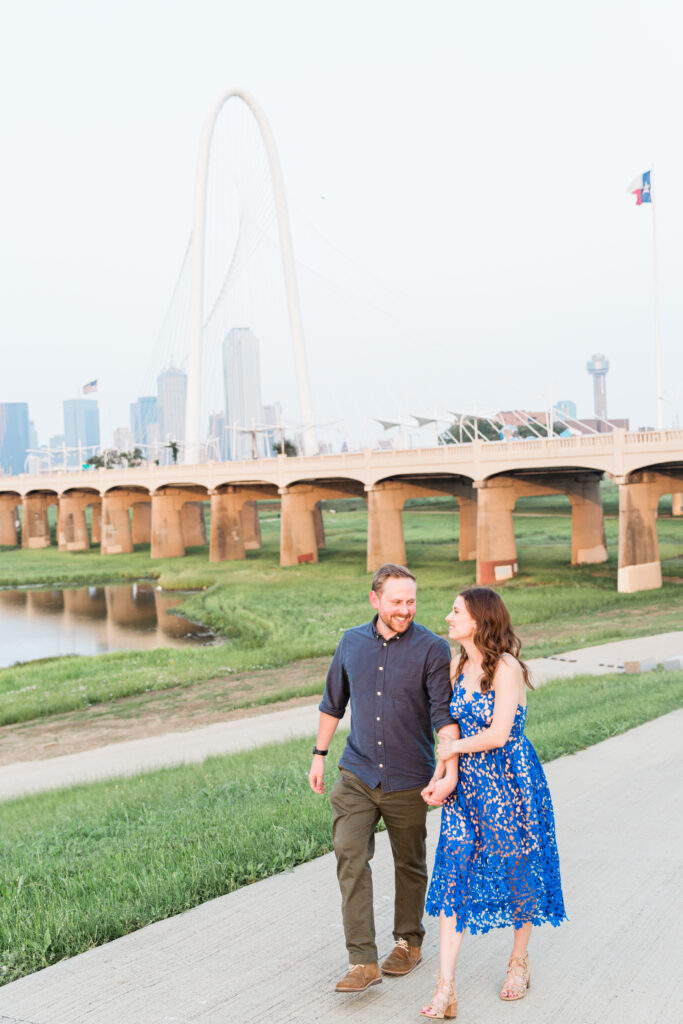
[[470, 161]]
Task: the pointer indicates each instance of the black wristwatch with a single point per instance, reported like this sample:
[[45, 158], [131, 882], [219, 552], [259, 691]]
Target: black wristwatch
[[323, 753]]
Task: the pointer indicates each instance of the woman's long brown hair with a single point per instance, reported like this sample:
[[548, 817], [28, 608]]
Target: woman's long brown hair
[[493, 637]]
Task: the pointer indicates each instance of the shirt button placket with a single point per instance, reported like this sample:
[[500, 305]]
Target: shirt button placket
[[379, 718]]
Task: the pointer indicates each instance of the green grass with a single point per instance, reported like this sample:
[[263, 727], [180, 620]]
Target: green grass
[[271, 616], [82, 866]]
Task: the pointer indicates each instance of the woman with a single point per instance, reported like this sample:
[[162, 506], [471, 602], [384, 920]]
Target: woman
[[496, 863]]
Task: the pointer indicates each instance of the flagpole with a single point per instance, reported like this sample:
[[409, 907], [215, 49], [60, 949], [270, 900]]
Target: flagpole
[[658, 345]]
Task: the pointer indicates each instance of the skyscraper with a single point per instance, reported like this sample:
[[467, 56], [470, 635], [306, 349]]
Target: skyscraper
[[14, 436], [81, 425], [144, 419], [242, 382], [218, 441], [272, 417], [171, 396]]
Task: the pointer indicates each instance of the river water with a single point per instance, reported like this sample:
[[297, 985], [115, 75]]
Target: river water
[[46, 622]]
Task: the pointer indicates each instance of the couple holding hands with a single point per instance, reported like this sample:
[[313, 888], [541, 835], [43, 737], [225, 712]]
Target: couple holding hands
[[496, 862]]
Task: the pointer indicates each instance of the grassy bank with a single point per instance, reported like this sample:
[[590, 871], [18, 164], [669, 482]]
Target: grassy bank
[[271, 616], [89, 864]]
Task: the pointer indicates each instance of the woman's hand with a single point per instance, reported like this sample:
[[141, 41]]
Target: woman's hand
[[437, 791], [447, 748]]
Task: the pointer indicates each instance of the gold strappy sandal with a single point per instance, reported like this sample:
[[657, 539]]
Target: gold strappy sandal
[[443, 1003], [518, 978]]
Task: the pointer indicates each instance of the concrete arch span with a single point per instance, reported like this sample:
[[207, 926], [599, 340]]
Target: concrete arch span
[[235, 524], [192, 419], [35, 528], [72, 525], [496, 498], [386, 501], [177, 519]]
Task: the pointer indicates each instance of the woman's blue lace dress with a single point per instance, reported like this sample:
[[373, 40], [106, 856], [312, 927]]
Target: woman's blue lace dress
[[496, 863]]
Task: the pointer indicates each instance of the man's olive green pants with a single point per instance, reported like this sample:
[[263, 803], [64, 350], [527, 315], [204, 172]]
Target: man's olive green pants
[[357, 810]]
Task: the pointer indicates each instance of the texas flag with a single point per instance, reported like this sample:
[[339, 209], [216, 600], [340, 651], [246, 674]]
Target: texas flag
[[640, 187]]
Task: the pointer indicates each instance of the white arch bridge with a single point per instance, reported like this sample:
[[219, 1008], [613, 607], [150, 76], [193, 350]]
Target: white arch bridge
[[161, 505]]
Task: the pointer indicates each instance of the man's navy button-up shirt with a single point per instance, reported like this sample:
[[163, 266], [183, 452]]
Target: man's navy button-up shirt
[[398, 689]]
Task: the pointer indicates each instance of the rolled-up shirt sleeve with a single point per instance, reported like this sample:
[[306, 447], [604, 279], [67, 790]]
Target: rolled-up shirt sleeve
[[438, 684], [336, 695]]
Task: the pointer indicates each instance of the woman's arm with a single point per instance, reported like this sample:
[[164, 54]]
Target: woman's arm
[[506, 683], [445, 777]]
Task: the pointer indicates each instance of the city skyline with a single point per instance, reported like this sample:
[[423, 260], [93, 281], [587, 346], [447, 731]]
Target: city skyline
[[481, 221]]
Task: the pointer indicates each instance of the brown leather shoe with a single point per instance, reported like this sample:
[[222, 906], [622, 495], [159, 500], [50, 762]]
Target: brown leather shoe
[[359, 977], [402, 958]]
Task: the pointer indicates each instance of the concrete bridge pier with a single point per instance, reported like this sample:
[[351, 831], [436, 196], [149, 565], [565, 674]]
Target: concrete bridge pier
[[467, 544], [142, 522], [8, 520], [72, 528], [386, 542], [639, 494], [589, 544], [639, 565], [227, 533], [319, 527], [35, 529], [167, 527], [496, 545], [96, 523], [117, 537], [298, 536], [194, 524], [251, 526]]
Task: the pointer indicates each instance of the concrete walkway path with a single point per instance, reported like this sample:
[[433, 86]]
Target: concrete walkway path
[[272, 951], [144, 755]]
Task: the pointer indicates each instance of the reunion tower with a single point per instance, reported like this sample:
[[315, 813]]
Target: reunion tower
[[598, 368]]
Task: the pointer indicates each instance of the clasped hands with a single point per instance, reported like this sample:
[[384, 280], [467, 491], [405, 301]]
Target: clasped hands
[[436, 791]]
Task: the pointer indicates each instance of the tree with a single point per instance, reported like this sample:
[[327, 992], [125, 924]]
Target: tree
[[134, 458], [107, 459], [290, 447], [539, 429], [112, 458], [175, 450], [464, 428]]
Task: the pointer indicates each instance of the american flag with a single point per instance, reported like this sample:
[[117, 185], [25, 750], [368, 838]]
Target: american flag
[[90, 387]]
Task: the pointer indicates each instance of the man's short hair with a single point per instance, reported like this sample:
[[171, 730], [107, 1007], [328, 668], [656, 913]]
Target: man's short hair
[[390, 571]]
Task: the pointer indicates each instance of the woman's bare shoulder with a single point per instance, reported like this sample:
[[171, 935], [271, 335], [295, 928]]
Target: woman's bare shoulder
[[508, 669], [509, 677]]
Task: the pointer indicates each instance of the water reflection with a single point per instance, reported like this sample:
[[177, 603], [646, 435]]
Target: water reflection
[[49, 622]]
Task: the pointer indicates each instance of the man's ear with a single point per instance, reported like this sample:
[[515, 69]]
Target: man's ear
[[374, 600]]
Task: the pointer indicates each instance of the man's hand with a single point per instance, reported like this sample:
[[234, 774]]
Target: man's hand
[[428, 791], [316, 774]]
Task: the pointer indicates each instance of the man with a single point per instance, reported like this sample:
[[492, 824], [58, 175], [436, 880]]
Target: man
[[395, 673]]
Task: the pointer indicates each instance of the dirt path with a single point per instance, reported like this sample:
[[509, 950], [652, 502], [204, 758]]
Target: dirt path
[[163, 711], [245, 694]]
